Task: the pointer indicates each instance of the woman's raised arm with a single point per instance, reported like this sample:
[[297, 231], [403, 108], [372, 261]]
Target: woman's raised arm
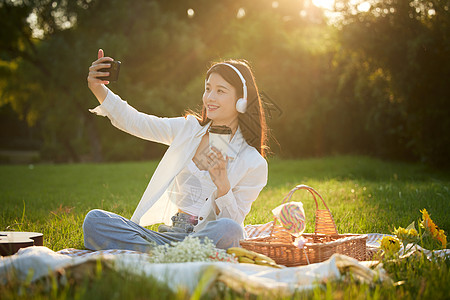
[[124, 116]]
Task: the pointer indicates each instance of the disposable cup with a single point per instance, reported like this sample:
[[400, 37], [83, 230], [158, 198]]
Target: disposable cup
[[219, 138]]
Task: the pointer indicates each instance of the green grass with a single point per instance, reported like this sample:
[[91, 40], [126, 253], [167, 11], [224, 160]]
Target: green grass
[[363, 194]]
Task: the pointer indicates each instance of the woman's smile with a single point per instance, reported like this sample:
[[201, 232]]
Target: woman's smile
[[212, 107]]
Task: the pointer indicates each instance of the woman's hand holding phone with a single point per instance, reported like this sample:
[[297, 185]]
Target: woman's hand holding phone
[[96, 85]]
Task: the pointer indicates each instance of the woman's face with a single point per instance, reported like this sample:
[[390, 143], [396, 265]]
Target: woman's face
[[219, 100]]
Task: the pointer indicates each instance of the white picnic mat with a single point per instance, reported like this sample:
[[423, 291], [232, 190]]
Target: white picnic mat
[[38, 262]]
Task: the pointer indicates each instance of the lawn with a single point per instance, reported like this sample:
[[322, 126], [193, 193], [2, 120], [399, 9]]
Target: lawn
[[364, 195]]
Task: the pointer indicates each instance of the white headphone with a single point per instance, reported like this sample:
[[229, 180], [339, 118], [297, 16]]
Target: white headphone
[[241, 103]]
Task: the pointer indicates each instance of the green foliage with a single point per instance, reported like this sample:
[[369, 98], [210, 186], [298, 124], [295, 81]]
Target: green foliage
[[372, 83], [408, 42]]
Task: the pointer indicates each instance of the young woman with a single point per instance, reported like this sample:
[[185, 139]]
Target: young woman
[[195, 189]]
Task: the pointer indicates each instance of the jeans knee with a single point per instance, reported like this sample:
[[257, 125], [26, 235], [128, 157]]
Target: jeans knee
[[96, 213], [91, 219], [233, 229]]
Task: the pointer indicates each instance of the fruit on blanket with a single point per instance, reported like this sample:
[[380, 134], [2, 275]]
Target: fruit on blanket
[[263, 261], [238, 252], [251, 257], [267, 263], [245, 260], [262, 257]]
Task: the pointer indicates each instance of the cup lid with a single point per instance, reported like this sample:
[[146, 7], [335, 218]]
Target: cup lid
[[220, 129]]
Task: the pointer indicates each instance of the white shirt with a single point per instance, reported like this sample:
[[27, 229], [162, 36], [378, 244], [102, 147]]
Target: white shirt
[[191, 188], [247, 172]]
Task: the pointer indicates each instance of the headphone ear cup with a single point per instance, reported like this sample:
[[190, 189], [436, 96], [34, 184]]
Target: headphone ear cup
[[241, 105]]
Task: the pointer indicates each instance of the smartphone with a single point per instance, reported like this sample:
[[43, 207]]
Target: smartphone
[[113, 71]]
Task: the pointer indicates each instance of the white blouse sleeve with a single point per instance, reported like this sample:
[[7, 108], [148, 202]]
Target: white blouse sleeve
[[236, 204], [128, 119]]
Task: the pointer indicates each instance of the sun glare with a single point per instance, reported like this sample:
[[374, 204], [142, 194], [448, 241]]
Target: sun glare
[[241, 13], [361, 5], [365, 6], [190, 13], [327, 4]]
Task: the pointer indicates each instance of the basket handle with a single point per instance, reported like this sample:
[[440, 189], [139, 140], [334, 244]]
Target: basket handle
[[324, 219]]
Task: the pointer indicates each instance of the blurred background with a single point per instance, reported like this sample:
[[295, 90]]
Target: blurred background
[[337, 77]]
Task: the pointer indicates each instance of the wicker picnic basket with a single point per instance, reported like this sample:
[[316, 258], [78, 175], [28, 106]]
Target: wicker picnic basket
[[281, 246]]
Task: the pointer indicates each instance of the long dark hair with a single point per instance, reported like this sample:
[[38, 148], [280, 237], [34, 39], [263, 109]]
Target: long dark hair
[[253, 122]]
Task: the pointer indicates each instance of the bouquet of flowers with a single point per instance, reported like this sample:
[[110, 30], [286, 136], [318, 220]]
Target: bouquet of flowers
[[429, 236], [190, 249]]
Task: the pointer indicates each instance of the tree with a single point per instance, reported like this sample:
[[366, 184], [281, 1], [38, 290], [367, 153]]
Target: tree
[[373, 83], [56, 64], [408, 41]]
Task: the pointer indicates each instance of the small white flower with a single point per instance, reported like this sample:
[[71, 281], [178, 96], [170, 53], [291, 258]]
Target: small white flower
[[190, 249]]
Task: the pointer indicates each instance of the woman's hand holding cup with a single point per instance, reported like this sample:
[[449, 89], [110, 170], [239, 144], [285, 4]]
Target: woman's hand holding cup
[[218, 171]]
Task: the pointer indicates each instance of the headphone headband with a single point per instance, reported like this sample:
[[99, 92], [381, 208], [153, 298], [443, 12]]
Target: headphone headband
[[244, 85]]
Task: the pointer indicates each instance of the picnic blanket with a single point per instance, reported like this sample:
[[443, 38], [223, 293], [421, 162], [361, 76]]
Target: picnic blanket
[[259, 280]]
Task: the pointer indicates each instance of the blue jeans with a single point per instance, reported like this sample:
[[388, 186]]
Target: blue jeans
[[106, 230]]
